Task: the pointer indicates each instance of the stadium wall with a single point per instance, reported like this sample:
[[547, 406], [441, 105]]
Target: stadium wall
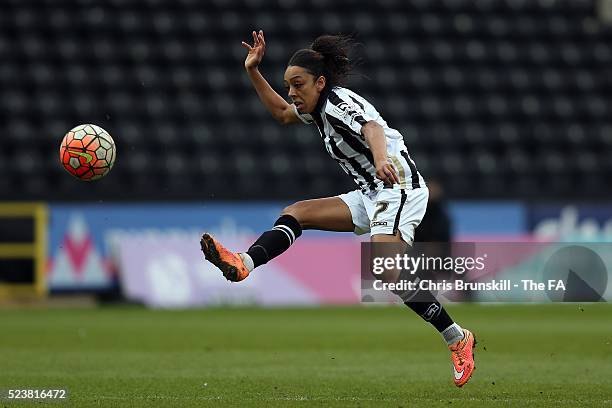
[[151, 251]]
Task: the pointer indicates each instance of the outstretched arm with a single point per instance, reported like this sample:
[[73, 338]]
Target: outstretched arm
[[276, 105]]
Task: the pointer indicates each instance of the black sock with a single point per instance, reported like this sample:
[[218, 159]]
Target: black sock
[[431, 311], [274, 242]]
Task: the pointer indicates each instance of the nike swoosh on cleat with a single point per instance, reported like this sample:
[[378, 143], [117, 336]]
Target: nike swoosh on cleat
[[87, 156], [458, 375]]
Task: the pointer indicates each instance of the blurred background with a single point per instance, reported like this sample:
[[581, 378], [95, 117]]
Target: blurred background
[[505, 106]]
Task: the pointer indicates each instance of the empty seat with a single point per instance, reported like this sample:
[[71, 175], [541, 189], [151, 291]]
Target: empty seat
[[486, 93]]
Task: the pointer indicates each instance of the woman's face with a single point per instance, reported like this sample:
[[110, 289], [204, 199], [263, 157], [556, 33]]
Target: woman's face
[[303, 88]]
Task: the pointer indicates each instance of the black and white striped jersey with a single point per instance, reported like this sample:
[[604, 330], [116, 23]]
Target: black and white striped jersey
[[339, 116]]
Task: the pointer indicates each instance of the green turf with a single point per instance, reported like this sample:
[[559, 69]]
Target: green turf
[[528, 355]]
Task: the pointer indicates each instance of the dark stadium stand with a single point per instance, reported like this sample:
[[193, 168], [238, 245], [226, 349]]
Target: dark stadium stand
[[497, 99]]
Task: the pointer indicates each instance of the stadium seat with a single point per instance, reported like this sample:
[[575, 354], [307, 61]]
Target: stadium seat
[[499, 99]]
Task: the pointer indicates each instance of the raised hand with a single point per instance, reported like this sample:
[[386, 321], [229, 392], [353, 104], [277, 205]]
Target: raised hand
[[256, 52]]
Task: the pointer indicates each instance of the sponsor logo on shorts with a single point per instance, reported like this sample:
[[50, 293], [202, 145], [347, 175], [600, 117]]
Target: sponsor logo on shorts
[[381, 223]]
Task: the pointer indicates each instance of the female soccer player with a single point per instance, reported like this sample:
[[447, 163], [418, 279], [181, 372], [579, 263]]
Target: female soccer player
[[392, 196]]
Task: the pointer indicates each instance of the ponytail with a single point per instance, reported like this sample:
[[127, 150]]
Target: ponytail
[[327, 56]]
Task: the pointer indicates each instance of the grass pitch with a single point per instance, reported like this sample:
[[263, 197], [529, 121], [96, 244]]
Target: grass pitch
[[528, 355]]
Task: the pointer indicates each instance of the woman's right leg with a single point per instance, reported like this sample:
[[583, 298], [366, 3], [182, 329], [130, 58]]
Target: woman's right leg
[[326, 214], [323, 214]]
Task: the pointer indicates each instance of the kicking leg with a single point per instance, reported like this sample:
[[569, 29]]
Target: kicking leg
[[327, 214]]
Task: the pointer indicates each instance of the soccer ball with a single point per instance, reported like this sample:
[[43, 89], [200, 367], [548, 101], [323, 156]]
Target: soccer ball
[[87, 152]]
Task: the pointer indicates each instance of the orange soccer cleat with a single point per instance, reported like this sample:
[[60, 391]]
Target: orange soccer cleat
[[462, 354], [230, 263]]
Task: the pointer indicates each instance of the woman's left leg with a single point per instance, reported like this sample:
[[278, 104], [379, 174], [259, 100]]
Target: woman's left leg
[[424, 303], [393, 230]]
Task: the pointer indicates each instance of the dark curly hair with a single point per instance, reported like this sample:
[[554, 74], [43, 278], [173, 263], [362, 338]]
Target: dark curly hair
[[327, 56]]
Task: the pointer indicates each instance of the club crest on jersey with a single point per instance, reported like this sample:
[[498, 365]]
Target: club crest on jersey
[[345, 110]]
